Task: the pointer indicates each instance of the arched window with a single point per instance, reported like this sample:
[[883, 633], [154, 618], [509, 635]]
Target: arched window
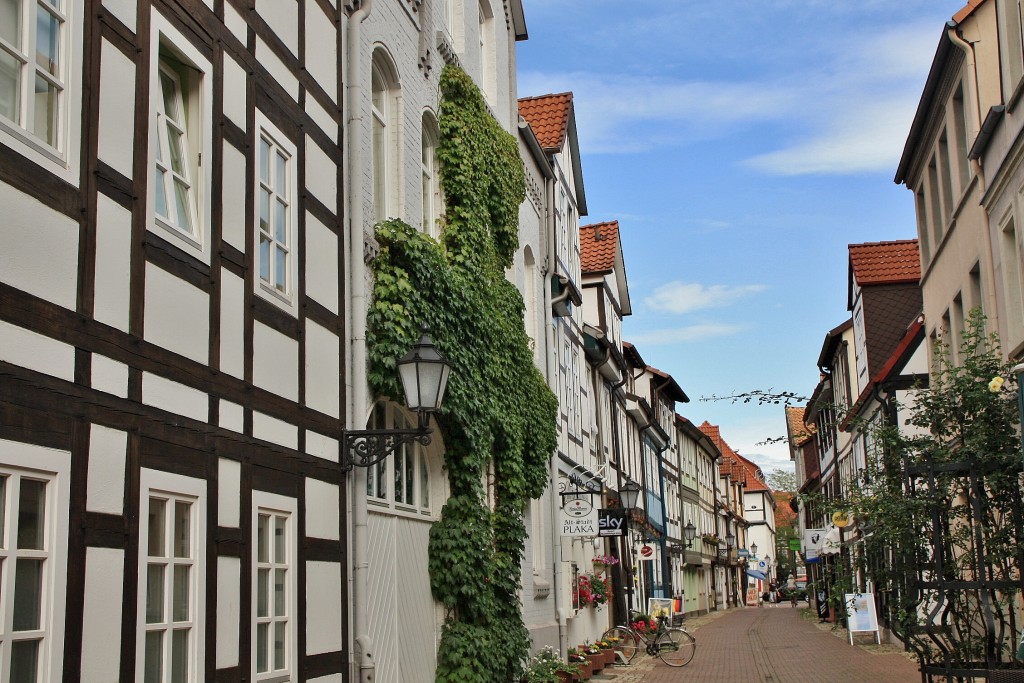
[[433, 202], [487, 56], [403, 482], [530, 295], [384, 106]]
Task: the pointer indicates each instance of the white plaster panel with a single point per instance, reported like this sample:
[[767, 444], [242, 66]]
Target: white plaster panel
[[117, 109], [283, 17], [321, 264], [333, 678], [109, 375], [278, 70], [322, 59], [235, 23], [322, 119], [322, 510], [124, 10], [233, 196], [101, 623], [322, 446], [174, 397], [275, 362], [235, 80], [229, 492], [40, 249], [19, 346], [232, 324], [232, 416], [107, 453], [275, 431], [113, 254], [323, 370], [177, 315], [321, 175], [323, 616], [229, 609]]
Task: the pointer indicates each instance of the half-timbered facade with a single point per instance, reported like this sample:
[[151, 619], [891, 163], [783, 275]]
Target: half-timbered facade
[[171, 341]]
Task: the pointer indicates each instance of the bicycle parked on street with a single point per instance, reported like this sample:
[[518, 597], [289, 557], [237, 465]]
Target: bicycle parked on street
[[674, 645]]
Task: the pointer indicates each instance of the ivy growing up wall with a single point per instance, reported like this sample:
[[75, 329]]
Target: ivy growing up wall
[[499, 413]]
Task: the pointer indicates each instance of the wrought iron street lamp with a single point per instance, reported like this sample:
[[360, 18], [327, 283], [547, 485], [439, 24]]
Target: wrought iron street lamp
[[689, 533], [629, 492], [730, 541], [424, 376], [753, 549]]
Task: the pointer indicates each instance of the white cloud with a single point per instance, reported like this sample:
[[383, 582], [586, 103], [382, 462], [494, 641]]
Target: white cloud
[[846, 109], [626, 113], [686, 297], [689, 333]]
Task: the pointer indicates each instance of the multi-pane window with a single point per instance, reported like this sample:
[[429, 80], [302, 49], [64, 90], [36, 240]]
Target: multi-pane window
[[274, 608], [1013, 282], [401, 481], [275, 215], [171, 628], [486, 45], [25, 565], [380, 100], [174, 190], [33, 66], [430, 174]]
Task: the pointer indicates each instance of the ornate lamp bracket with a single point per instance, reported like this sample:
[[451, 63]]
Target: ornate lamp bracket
[[367, 447]]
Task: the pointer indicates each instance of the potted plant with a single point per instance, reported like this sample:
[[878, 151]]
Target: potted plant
[[615, 643], [580, 660], [603, 561], [607, 650], [642, 623], [546, 667], [594, 654]]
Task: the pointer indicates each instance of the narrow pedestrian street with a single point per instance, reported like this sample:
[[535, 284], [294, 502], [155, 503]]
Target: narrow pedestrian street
[[773, 644]]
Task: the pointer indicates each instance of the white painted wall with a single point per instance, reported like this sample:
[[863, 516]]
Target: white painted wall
[[275, 362], [19, 346], [229, 582], [275, 431], [109, 375], [45, 265], [323, 607], [177, 315], [229, 493], [113, 254], [105, 486], [174, 397], [101, 626], [117, 109]]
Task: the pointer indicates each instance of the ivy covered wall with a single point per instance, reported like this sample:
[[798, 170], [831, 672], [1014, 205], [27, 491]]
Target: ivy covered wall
[[499, 412]]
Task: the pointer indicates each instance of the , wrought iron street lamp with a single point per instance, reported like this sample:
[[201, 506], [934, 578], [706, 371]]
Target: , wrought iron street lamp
[[424, 376], [629, 492], [753, 549], [689, 533], [730, 541]]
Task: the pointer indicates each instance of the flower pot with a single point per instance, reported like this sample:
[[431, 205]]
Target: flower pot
[[564, 676], [609, 656], [596, 661]]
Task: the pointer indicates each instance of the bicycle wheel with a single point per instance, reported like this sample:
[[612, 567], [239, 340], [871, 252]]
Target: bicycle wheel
[[676, 647], [627, 642]]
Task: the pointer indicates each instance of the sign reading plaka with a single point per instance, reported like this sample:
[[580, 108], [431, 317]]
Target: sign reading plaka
[[579, 518]]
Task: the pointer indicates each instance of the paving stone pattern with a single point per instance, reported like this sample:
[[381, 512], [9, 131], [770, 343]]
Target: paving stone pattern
[[772, 644]]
